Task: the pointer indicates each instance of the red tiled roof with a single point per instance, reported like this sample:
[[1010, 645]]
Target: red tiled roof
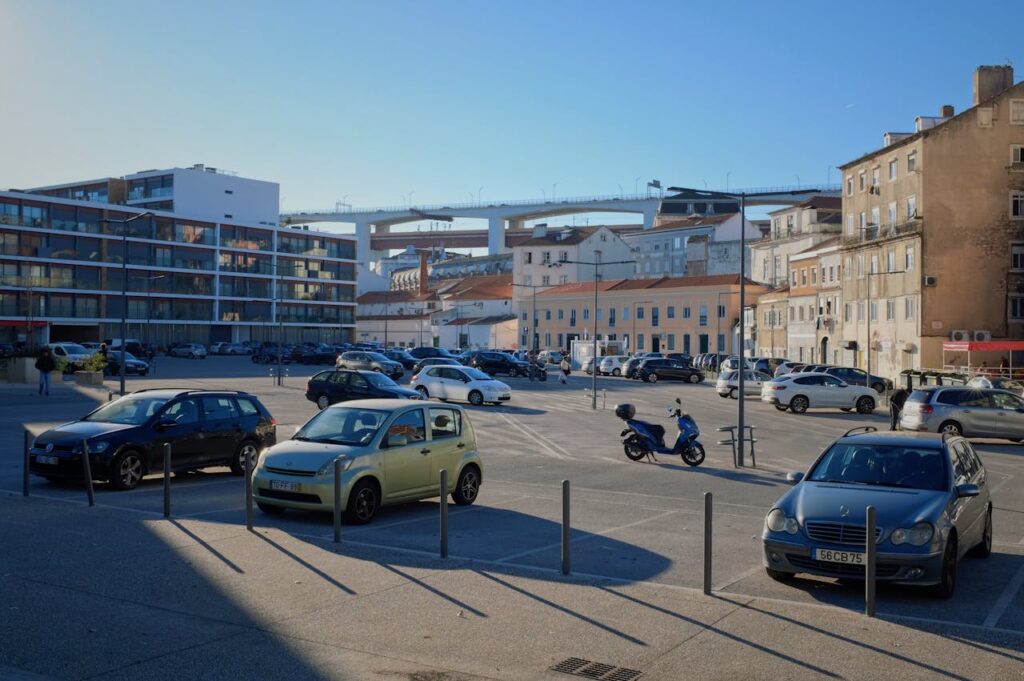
[[639, 284], [489, 287], [573, 235]]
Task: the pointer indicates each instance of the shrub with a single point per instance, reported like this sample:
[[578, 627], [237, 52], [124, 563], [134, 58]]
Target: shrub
[[95, 362]]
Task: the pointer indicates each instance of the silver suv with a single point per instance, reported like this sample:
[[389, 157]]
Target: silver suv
[[966, 411], [363, 360]]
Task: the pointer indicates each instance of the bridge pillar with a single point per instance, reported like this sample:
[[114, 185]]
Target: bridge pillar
[[363, 230], [496, 236], [650, 213]]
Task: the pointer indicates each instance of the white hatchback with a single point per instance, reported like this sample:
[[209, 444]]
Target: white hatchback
[[802, 391], [612, 364], [448, 382], [729, 382]]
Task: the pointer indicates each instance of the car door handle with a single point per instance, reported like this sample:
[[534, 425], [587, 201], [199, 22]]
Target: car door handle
[[424, 451], [461, 445]]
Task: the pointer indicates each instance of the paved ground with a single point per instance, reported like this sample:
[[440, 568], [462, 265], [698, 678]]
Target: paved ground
[[371, 606]]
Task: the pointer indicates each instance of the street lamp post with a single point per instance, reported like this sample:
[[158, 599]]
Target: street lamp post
[[124, 281], [597, 277], [534, 335]]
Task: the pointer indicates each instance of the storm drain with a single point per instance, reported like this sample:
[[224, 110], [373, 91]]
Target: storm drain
[[577, 666]]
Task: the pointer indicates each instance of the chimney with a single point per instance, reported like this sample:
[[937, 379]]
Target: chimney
[[989, 81], [423, 272], [946, 111], [540, 230]]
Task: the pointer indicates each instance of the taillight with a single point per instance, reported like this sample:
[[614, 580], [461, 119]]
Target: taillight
[[779, 387], [273, 421], [925, 409]]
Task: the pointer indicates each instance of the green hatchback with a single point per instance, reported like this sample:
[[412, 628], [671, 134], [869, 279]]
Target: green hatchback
[[391, 452]]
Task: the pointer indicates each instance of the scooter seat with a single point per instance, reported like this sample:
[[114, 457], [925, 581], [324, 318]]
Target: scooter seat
[[658, 432]]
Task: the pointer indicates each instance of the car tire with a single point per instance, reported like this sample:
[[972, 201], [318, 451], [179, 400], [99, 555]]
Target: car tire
[[126, 470], [467, 488], [799, 404], [247, 448], [616, 372], [422, 390], [779, 575], [696, 378], [322, 402], [951, 427], [865, 405], [732, 394], [268, 509], [947, 584], [476, 398], [653, 378], [984, 547], [363, 502]]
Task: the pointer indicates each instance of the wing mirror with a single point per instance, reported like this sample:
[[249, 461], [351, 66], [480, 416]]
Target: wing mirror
[[967, 490], [397, 440], [164, 424], [794, 477]]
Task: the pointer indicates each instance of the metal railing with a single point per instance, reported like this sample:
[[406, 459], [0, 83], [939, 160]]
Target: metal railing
[[880, 232]]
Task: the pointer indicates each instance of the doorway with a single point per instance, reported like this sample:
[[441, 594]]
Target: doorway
[[655, 343], [824, 349]]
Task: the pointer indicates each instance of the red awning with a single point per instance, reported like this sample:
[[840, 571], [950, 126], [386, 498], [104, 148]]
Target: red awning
[[984, 346]]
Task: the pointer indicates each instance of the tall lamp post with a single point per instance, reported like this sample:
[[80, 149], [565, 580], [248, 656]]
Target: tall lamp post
[[124, 280], [597, 277], [742, 197], [534, 335]]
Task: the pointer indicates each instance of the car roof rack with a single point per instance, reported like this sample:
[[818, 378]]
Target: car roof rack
[[866, 429]]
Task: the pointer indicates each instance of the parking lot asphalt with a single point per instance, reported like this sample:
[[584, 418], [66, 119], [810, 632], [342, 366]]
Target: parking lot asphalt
[[636, 530]]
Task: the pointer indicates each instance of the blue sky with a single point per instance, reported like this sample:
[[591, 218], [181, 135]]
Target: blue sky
[[370, 101]]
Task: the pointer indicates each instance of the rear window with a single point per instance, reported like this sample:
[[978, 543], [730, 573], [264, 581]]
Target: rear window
[[952, 397], [322, 376], [247, 407], [919, 396]]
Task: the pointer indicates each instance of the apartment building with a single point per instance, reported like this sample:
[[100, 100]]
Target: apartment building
[[771, 331], [814, 298], [794, 229], [933, 238], [62, 268], [698, 245], [670, 314]]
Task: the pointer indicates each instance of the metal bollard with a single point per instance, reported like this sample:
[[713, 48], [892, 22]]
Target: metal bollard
[[24, 478], [444, 513], [167, 479], [110, 396], [565, 527], [337, 501], [248, 493], [870, 555], [87, 472], [707, 542]]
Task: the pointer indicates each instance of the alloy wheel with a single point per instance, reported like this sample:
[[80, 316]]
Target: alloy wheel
[[129, 472]]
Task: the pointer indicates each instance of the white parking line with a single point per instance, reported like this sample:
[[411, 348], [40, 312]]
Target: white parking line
[[1005, 598], [433, 517], [536, 439]]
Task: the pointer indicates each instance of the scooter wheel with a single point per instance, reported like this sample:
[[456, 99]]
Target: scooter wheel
[[694, 455], [634, 451]]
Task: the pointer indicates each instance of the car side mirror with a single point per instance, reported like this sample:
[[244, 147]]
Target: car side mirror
[[794, 477], [967, 490], [164, 424], [397, 440]]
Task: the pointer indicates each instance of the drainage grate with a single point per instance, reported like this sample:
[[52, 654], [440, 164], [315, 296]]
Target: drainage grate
[[577, 666]]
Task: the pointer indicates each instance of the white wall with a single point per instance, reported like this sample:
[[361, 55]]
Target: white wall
[[203, 194]]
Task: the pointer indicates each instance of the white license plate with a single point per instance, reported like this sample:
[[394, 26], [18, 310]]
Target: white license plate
[[52, 460], [284, 485], [831, 556]]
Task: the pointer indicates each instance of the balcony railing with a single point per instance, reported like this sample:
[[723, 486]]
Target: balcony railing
[[882, 232]]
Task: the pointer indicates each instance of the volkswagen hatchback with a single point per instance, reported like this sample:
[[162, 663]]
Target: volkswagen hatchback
[[390, 451]]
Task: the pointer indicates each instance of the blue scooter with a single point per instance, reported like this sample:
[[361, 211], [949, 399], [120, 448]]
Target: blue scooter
[[640, 439]]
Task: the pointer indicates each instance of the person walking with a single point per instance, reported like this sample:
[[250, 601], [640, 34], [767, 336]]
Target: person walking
[[564, 369], [45, 364], [896, 402]]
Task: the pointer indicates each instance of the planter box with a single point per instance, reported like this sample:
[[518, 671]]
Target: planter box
[[22, 370], [89, 377]]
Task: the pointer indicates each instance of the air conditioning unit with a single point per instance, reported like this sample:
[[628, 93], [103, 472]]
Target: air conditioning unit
[[982, 336], [960, 335], [930, 281]]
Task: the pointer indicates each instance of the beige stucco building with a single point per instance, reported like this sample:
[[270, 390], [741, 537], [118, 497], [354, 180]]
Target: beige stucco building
[[933, 232], [772, 314], [793, 229], [814, 293]]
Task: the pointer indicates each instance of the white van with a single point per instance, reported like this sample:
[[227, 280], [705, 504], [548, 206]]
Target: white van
[[72, 353]]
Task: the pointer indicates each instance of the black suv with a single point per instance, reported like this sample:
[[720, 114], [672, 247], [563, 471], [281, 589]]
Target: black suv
[[651, 370], [402, 357], [126, 437], [425, 351], [494, 363], [329, 387]]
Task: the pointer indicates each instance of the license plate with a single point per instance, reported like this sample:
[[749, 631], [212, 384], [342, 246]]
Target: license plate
[[504, 397], [284, 485], [831, 556], [52, 460]]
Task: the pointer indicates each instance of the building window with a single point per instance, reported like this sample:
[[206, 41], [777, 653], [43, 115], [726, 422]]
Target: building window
[[890, 260], [860, 310], [721, 311], [528, 279], [803, 277], [703, 316], [911, 207], [561, 314], [586, 313], [849, 185], [545, 280], [861, 221], [546, 258], [528, 257], [908, 259], [687, 314], [524, 319], [572, 317], [547, 315], [793, 277], [1017, 308], [909, 305], [563, 279], [1017, 256], [893, 165], [874, 263], [890, 310], [847, 268], [875, 176], [671, 341], [814, 276], [860, 266], [849, 223], [831, 272], [1017, 112], [911, 161], [862, 180], [1017, 155], [721, 342], [792, 314], [766, 322], [874, 311], [563, 256], [892, 213], [1017, 205], [874, 216], [639, 341], [801, 313], [611, 316], [670, 311], [846, 313]]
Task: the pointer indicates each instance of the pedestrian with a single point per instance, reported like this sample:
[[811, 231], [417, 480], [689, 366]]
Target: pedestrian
[[45, 364], [103, 350], [564, 369], [896, 402], [1003, 365]]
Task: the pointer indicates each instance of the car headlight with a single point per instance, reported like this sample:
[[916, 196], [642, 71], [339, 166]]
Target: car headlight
[[778, 521], [327, 469], [98, 447], [918, 535]]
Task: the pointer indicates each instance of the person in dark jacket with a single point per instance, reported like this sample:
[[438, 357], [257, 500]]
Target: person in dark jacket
[[896, 402], [44, 365]]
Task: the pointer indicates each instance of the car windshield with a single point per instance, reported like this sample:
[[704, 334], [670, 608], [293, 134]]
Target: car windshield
[[377, 357], [116, 354], [883, 466], [342, 426], [476, 374], [128, 410], [380, 380]]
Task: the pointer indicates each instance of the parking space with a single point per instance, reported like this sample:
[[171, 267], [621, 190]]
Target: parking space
[[632, 521]]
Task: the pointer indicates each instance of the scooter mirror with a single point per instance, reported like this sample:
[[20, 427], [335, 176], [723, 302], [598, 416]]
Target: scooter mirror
[[677, 401], [668, 409]]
